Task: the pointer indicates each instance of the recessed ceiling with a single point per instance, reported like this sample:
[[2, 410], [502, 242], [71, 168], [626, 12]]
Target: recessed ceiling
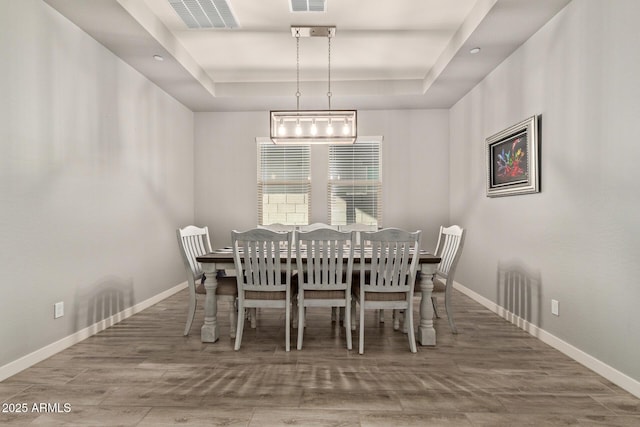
[[386, 54]]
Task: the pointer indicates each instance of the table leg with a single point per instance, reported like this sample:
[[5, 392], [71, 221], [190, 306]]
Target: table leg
[[209, 331], [426, 332]]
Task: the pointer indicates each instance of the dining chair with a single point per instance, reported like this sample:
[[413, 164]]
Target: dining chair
[[194, 241], [387, 281], [261, 279], [324, 280], [449, 249], [316, 226], [278, 227]]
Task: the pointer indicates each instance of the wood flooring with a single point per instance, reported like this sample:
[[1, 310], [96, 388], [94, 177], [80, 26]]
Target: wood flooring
[[143, 372]]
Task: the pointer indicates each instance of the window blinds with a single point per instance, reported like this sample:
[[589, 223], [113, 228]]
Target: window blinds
[[284, 184], [355, 183]]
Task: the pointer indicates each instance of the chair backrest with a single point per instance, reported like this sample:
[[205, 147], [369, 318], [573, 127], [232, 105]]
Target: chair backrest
[[394, 260], [449, 248], [326, 251], [193, 241], [358, 227], [317, 226], [257, 255], [278, 227]]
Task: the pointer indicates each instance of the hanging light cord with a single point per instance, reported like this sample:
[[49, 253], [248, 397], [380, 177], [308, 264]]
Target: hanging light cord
[[329, 71], [297, 69]]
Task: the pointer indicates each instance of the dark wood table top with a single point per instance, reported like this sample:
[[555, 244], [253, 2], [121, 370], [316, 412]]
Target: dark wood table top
[[226, 255]]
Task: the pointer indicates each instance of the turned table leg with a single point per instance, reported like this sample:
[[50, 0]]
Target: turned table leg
[[210, 331], [426, 332]]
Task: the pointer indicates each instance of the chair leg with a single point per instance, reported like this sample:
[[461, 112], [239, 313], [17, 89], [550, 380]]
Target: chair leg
[[408, 316], [287, 326], [447, 306], [435, 306], [353, 314], [347, 323], [361, 343], [396, 319], [192, 312], [253, 316], [233, 318], [300, 323], [239, 328], [334, 315], [341, 311], [381, 316]]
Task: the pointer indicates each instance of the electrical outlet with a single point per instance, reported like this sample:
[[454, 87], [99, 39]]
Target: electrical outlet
[[58, 309], [555, 307]]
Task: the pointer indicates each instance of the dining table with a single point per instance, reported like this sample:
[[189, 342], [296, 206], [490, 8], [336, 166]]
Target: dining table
[[221, 260]]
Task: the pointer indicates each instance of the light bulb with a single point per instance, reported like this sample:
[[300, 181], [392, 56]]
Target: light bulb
[[281, 129], [298, 129], [329, 128], [314, 128], [345, 128]]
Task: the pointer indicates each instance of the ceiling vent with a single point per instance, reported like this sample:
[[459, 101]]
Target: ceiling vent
[[308, 5], [205, 13]]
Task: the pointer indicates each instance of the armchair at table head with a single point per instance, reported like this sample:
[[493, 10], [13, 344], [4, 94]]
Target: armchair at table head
[[194, 241]]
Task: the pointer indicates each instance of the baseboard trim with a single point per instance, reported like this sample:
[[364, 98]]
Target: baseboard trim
[[39, 355], [620, 379]]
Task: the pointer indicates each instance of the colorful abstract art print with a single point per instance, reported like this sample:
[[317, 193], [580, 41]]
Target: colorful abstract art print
[[512, 160]]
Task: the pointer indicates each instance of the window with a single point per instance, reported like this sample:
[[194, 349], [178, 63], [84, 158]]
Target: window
[[284, 185], [355, 183]]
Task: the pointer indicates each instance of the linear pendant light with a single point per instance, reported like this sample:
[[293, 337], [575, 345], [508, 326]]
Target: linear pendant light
[[313, 126]]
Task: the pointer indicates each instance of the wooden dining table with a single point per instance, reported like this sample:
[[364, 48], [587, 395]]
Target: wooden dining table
[[222, 260]]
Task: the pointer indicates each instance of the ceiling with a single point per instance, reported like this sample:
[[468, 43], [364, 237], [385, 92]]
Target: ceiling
[[385, 54]]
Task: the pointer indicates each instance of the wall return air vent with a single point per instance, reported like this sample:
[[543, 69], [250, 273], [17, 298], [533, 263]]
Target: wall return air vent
[[308, 5], [205, 13]]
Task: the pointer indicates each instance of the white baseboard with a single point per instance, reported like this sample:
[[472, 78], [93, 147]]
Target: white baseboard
[[39, 355], [620, 379]]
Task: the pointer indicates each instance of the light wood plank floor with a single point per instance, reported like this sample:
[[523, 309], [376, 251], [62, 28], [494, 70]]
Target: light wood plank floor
[[143, 372]]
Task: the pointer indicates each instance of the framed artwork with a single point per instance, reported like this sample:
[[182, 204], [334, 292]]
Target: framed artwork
[[513, 160]]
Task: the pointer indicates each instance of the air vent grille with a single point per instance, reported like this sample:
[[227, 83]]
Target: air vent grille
[[308, 5], [204, 13]]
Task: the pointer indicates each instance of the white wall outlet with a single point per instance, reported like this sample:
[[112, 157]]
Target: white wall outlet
[[58, 309], [555, 307]]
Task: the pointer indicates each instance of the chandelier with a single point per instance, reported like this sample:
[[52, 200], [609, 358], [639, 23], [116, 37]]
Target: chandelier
[[313, 126]]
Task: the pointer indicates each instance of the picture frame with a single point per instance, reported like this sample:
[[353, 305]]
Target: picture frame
[[513, 160]]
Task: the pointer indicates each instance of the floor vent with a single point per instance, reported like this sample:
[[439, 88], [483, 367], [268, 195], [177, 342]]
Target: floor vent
[[308, 5], [205, 13]]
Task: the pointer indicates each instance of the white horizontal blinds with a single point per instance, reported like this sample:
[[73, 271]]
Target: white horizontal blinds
[[355, 183], [284, 185]]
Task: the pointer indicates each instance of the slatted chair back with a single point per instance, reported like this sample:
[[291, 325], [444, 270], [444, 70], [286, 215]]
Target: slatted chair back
[[394, 260], [193, 241], [449, 249], [278, 227], [358, 227], [316, 226]]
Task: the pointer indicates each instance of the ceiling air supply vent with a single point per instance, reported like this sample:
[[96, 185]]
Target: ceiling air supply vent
[[308, 5], [204, 13]]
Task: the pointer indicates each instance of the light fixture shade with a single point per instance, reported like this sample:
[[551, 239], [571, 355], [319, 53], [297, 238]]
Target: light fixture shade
[[314, 126]]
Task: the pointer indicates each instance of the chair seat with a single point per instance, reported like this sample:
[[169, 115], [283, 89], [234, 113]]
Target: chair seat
[[310, 294], [379, 296], [270, 296]]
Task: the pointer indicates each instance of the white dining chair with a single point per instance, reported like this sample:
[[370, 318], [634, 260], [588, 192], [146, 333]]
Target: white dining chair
[[316, 226], [194, 241], [449, 249], [387, 281], [324, 280], [276, 226], [262, 280]]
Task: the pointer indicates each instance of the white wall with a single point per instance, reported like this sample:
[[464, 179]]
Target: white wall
[[415, 170], [579, 239], [95, 175]]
